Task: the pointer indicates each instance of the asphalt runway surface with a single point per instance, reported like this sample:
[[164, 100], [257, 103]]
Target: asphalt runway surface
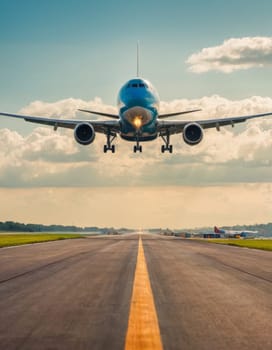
[[76, 294]]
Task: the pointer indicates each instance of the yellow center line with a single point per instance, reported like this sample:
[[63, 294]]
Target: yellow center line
[[143, 328]]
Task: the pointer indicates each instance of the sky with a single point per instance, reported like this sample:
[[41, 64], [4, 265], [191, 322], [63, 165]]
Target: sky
[[58, 56]]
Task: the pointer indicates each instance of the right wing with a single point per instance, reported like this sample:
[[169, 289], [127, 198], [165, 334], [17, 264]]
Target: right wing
[[161, 116], [177, 126]]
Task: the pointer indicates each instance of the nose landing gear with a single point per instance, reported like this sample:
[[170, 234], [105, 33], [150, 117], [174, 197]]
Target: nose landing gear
[[137, 147]]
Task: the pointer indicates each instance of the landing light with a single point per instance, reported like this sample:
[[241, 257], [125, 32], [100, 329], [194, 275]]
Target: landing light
[[138, 121]]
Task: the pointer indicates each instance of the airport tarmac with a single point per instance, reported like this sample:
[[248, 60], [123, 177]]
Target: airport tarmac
[[76, 294]]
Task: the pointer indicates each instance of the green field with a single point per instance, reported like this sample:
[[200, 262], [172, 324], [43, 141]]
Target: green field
[[264, 244], [7, 239]]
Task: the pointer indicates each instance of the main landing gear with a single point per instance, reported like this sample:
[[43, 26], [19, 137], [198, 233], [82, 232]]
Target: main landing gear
[[167, 146], [109, 146]]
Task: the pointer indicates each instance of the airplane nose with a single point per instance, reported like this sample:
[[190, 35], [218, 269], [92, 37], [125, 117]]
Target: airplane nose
[[138, 116]]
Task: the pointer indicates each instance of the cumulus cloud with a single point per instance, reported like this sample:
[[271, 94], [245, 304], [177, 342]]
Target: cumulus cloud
[[217, 106], [234, 54], [47, 158], [66, 108]]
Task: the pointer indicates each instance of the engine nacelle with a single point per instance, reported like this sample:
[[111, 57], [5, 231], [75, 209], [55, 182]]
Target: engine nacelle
[[84, 133], [192, 134]]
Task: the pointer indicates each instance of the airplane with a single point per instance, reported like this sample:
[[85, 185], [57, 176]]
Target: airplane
[[229, 233], [138, 120]]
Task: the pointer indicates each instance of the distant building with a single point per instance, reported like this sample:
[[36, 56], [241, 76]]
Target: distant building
[[183, 234], [208, 235]]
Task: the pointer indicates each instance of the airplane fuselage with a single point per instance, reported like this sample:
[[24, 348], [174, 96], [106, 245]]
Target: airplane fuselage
[[138, 104]]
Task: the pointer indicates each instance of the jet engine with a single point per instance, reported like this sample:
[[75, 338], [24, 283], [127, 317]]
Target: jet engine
[[84, 133], [192, 134]]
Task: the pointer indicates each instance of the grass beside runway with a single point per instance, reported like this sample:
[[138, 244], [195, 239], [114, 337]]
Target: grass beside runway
[[8, 240], [264, 244]]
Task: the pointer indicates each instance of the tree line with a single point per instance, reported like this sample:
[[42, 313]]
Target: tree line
[[10, 226]]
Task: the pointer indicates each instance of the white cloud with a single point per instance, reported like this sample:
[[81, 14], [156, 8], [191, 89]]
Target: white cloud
[[234, 54], [47, 158], [66, 108]]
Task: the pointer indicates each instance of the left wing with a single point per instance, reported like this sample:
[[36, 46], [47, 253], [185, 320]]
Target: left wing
[[101, 126], [177, 126]]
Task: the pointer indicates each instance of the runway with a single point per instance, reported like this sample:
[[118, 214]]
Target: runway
[[76, 294]]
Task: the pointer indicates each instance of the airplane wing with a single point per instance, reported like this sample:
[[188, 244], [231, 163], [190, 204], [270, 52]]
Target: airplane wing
[[161, 116], [101, 126], [108, 115], [177, 126]]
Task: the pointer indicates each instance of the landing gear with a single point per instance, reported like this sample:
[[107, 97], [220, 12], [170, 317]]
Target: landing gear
[[167, 146], [137, 147], [109, 146]]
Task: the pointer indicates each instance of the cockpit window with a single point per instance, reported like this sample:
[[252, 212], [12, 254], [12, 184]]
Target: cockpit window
[[137, 85]]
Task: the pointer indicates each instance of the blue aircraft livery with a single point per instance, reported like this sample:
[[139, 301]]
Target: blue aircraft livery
[[138, 120]]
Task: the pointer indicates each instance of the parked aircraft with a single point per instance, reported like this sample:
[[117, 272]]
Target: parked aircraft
[[138, 120], [230, 233]]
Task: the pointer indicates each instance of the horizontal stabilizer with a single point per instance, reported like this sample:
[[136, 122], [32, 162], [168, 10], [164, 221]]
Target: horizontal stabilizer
[[161, 116], [115, 116]]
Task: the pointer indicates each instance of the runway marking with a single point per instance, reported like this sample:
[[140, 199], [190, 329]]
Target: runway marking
[[143, 331]]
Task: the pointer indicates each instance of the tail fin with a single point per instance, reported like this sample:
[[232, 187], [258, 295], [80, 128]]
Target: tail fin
[[218, 230], [138, 60]]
